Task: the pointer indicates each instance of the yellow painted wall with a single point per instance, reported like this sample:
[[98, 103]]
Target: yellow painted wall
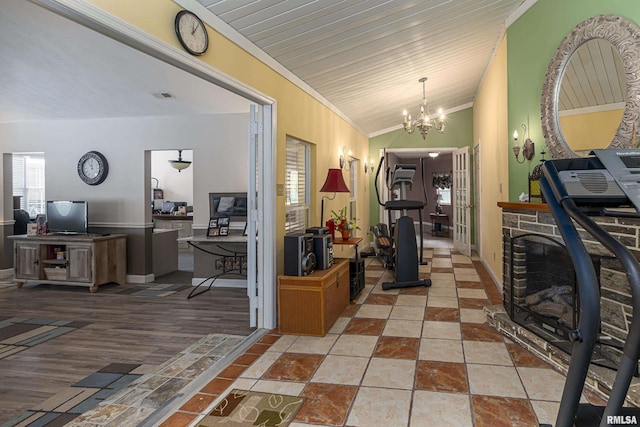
[[490, 131], [298, 114], [591, 130]]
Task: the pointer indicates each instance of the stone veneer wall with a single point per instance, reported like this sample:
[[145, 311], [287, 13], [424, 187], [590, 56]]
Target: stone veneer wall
[[522, 218], [615, 303]]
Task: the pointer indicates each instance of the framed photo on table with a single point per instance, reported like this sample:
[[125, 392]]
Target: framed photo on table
[[213, 229], [41, 224], [223, 225]]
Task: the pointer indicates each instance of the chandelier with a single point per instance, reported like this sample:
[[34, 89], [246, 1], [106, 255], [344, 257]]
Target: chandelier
[[424, 123]]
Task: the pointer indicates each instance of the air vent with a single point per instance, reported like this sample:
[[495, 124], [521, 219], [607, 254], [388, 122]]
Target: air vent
[[595, 182], [163, 95]]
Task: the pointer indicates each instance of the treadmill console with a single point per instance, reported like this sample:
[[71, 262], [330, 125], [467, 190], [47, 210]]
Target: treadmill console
[[623, 165]]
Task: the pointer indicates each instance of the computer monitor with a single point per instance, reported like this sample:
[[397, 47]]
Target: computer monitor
[[227, 204], [67, 217]]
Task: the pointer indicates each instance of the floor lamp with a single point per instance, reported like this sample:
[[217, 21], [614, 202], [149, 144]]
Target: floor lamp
[[333, 184]]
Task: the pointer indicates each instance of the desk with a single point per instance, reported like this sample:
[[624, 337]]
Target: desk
[[230, 259], [437, 225], [356, 267]]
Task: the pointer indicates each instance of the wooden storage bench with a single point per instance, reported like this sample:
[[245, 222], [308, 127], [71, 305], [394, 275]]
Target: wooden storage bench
[[310, 305]]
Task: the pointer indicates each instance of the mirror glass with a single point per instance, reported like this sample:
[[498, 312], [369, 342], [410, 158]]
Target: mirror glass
[[587, 101], [591, 97]]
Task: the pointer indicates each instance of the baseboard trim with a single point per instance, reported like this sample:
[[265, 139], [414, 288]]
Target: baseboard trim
[[139, 278]]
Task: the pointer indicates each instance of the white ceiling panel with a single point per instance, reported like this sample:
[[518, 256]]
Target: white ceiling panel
[[366, 57]]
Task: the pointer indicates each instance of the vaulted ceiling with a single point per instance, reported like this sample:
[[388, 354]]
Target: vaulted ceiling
[[366, 57]]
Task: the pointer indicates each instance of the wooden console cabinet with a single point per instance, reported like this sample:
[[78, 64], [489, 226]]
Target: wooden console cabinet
[[79, 260], [310, 305]]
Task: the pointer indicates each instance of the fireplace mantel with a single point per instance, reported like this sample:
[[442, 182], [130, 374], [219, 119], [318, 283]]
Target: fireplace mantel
[[524, 206]]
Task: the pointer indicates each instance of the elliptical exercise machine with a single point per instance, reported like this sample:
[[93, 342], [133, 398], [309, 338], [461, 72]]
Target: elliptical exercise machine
[[574, 189], [403, 250]]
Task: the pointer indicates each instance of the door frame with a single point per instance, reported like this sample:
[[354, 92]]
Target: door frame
[[90, 16]]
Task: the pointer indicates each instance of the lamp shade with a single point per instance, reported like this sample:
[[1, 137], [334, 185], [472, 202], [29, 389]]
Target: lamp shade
[[334, 182]]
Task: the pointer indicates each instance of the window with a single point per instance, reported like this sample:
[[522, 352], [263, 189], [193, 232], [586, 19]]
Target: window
[[445, 195], [297, 186], [28, 182]]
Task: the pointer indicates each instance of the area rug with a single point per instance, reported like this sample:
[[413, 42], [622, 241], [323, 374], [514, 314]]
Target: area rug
[[18, 334], [252, 408]]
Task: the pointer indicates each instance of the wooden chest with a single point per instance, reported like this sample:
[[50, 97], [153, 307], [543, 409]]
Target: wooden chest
[[310, 305]]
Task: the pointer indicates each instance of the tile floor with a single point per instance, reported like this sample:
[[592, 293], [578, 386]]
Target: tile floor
[[410, 357]]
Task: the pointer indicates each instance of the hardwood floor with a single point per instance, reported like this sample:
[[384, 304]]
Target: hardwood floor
[[111, 327]]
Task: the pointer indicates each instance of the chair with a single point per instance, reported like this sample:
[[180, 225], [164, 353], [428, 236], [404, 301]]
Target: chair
[[21, 218]]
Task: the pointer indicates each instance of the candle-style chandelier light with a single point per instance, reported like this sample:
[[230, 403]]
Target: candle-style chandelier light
[[424, 123]]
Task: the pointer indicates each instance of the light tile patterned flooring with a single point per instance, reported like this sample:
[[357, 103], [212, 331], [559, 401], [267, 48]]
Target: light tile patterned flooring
[[410, 357]]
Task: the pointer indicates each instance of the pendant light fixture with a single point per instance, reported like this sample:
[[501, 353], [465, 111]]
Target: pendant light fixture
[[179, 164]]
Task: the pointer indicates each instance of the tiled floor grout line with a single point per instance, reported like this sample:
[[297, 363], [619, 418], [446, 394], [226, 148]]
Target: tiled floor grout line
[[182, 417]]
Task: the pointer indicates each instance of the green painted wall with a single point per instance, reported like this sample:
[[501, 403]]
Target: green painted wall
[[531, 43], [459, 133]]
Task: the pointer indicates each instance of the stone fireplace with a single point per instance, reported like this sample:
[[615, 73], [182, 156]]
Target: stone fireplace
[[540, 302], [539, 290], [540, 294]]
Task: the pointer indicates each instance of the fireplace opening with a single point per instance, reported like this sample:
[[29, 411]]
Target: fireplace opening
[[541, 295]]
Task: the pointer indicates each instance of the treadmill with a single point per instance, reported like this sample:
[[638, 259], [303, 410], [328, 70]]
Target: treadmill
[[605, 184]]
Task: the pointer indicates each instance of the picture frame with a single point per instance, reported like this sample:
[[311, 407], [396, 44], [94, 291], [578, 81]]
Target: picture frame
[[41, 224], [224, 230], [222, 221], [213, 223], [213, 232]]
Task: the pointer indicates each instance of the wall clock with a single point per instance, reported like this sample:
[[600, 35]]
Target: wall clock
[[191, 32], [93, 168]]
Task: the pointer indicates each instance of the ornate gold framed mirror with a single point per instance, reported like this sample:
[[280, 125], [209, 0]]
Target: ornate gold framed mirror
[[591, 93]]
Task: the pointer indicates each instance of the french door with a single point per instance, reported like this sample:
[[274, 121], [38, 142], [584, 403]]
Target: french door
[[462, 203]]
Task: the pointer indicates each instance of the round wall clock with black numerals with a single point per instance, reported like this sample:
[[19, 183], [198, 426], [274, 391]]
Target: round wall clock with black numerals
[[191, 32], [93, 168]]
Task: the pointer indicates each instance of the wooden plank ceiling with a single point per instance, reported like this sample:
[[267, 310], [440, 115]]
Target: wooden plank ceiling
[[366, 57]]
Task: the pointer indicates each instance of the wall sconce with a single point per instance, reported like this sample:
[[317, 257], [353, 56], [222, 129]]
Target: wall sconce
[[179, 164], [368, 168], [528, 147], [344, 163]]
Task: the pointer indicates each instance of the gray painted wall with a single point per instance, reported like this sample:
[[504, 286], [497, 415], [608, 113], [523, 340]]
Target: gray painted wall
[[122, 202]]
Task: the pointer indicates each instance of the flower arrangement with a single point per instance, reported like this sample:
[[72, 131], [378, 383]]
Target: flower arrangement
[[342, 222]]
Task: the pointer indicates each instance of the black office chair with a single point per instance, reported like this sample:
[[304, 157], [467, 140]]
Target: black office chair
[[21, 218]]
